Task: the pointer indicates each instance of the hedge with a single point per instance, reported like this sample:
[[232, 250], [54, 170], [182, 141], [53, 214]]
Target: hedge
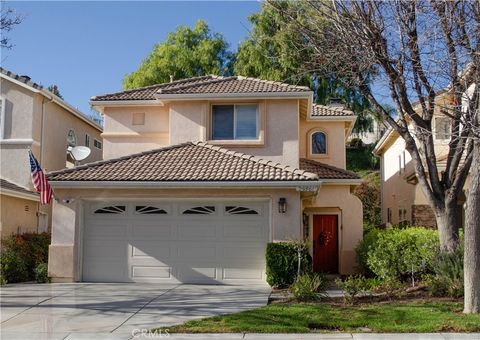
[[399, 253], [282, 263], [21, 254]]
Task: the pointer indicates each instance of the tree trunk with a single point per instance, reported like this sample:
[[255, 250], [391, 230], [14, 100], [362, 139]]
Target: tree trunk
[[471, 261], [447, 219]]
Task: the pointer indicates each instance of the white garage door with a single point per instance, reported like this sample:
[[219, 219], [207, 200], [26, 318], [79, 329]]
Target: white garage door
[[184, 241]]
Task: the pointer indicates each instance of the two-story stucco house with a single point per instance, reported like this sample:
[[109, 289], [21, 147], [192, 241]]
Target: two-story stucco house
[[402, 198], [199, 175], [32, 118]]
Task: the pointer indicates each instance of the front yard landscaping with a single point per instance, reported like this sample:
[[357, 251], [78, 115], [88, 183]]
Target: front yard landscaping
[[424, 316]]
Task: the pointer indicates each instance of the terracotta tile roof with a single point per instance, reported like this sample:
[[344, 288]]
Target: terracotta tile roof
[[204, 85], [24, 79], [325, 171], [193, 161], [322, 110], [4, 184]]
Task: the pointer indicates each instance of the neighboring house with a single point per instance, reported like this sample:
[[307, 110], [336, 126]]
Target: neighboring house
[[32, 118], [371, 136], [403, 201], [199, 175]]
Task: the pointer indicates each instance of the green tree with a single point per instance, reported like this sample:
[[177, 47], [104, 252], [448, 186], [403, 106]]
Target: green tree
[[275, 50], [54, 89], [185, 53]]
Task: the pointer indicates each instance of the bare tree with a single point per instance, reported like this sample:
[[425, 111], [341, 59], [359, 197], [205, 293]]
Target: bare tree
[[416, 49], [8, 20]]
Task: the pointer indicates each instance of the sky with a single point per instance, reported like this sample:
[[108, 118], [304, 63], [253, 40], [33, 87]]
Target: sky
[[86, 48]]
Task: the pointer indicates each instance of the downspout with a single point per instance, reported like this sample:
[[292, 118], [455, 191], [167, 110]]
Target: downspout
[[42, 134]]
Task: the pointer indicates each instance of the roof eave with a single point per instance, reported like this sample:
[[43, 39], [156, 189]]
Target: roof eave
[[100, 103], [19, 194], [312, 184], [351, 118]]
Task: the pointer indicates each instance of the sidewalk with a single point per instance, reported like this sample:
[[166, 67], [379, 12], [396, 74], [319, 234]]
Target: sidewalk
[[238, 336]]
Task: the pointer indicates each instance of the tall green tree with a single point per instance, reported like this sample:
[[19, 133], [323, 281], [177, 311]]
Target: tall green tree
[[185, 53], [275, 50]]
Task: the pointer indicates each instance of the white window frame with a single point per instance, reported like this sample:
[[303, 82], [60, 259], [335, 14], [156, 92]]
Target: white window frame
[[257, 122], [2, 118]]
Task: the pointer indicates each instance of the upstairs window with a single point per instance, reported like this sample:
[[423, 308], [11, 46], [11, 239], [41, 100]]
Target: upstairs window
[[97, 144], [235, 122], [442, 128], [319, 143], [87, 140]]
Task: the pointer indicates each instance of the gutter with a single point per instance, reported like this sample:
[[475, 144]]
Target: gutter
[[311, 185], [14, 193]]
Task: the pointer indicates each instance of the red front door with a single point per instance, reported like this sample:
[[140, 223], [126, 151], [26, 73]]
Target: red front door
[[325, 243]]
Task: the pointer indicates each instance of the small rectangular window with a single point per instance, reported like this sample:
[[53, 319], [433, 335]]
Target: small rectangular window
[[87, 140], [442, 128], [97, 144], [389, 215], [235, 122], [138, 119], [399, 164]]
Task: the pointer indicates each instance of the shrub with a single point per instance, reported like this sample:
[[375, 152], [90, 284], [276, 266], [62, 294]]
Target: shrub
[[402, 253], [352, 286], [41, 273], [282, 263], [309, 287], [369, 193], [362, 158], [367, 244], [447, 279], [21, 254]]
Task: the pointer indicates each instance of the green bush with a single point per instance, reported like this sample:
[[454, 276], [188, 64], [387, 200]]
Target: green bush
[[366, 245], [41, 273], [362, 158], [401, 253], [447, 279], [21, 254], [309, 287], [282, 263], [352, 286]]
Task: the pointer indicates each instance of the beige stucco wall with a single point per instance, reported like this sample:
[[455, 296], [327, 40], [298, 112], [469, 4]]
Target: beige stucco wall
[[122, 138], [396, 191], [14, 217], [337, 200], [58, 122], [68, 218], [23, 124], [335, 131], [180, 122]]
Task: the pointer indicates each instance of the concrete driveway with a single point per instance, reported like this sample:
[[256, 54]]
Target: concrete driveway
[[103, 311]]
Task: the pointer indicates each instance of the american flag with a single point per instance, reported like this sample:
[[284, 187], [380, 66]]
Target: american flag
[[40, 182]]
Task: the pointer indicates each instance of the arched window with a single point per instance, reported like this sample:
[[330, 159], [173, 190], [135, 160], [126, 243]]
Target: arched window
[[319, 143]]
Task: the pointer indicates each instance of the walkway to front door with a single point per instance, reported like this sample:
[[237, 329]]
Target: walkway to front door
[[325, 243]]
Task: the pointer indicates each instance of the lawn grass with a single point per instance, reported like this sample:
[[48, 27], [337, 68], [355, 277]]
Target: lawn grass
[[413, 316]]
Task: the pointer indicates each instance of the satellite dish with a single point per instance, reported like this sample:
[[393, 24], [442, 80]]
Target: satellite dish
[[79, 153]]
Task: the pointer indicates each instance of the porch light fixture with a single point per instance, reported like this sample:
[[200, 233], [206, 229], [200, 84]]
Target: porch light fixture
[[282, 205]]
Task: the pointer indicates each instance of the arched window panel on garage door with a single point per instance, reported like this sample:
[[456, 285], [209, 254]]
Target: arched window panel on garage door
[[111, 209], [149, 210], [239, 210], [200, 210]]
